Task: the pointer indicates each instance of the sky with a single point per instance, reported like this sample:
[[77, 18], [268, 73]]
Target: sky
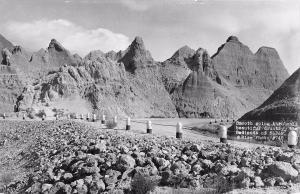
[[164, 25]]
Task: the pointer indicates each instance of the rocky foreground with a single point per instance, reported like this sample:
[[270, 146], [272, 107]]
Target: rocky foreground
[[71, 157]]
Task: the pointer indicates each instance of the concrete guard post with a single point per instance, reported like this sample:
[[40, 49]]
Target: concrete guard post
[[292, 138], [149, 127], [103, 119], [179, 130], [223, 133], [116, 121], [128, 124]]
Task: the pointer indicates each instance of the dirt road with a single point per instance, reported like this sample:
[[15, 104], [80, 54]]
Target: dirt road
[[165, 127]]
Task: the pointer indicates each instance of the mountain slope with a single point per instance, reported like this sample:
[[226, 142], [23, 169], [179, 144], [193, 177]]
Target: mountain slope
[[4, 43], [130, 82], [229, 84], [105, 86], [283, 104], [203, 94]]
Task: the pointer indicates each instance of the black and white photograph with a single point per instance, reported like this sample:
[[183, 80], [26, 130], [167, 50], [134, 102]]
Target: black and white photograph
[[149, 96]]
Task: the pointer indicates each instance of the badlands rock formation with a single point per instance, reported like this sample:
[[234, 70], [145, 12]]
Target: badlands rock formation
[[4, 43], [129, 87], [239, 66], [224, 85], [10, 84], [130, 82], [282, 105]]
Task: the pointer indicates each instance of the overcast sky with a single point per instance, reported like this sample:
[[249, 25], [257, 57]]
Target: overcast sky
[[165, 25]]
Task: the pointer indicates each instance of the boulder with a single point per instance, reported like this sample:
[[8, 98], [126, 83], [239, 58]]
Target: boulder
[[111, 176], [125, 162], [230, 170], [283, 169], [258, 182]]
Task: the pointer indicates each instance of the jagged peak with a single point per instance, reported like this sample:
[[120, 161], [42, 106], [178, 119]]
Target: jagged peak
[[201, 50], [135, 55], [138, 44], [17, 49], [184, 52], [54, 44], [111, 52], [138, 40], [94, 55], [232, 39], [264, 50]]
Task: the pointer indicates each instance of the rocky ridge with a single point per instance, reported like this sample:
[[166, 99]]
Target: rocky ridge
[[189, 84], [222, 85], [106, 86]]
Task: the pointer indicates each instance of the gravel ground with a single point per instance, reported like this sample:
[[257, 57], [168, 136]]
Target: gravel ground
[[76, 157]]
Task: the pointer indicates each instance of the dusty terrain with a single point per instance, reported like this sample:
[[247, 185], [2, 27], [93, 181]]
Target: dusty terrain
[[79, 156]]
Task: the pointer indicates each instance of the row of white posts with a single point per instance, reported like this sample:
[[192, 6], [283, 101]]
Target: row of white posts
[[292, 135]]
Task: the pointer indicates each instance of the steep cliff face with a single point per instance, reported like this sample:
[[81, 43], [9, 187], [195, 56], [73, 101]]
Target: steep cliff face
[[4, 43], [175, 70], [235, 62], [202, 93], [282, 105], [136, 56], [10, 87], [58, 55], [10, 83]]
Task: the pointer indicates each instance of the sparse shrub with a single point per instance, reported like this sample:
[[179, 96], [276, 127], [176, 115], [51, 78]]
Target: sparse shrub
[[58, 112], [143, 184], [30, 113], [157, 117], [73, 115], [110, 124], [41, 113], [179, 180], [224, 184]]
